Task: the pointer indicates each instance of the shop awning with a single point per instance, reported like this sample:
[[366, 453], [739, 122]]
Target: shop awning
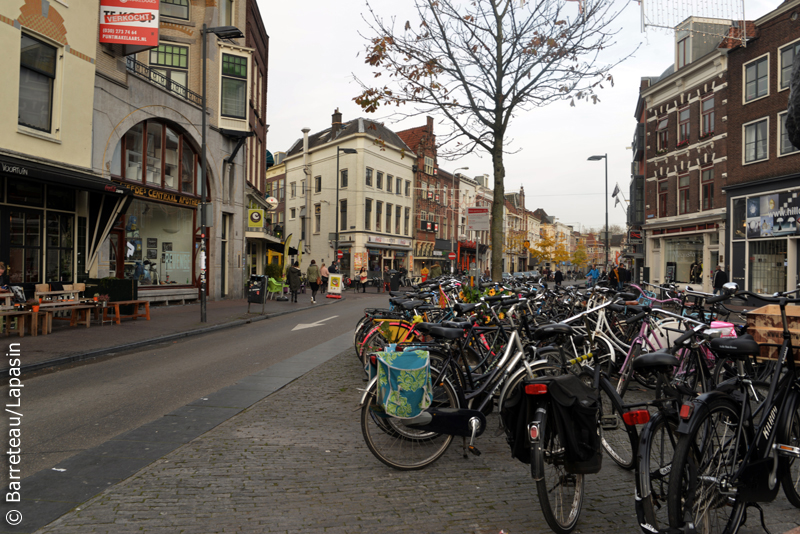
[[278, 247], [389, 247]]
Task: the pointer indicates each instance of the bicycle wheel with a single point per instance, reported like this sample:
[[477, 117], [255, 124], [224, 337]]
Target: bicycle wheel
[[704, 459], [400, 446], [791, 480], [560, 493], [656, 450], [619, 440]]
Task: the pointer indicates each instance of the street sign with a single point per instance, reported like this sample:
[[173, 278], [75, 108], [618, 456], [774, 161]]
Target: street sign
[[452, 255], [478, 219], [340, 254]]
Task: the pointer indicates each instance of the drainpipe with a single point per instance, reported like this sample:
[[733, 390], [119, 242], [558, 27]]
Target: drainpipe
[[307, 173]]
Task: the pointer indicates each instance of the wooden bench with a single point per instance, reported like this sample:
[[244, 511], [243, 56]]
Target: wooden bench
[[20, 316], [81, 315], [43, 318], [168, 295], [136, 314]]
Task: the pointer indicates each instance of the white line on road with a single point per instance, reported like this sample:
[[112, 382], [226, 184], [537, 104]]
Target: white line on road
[[303, 326]]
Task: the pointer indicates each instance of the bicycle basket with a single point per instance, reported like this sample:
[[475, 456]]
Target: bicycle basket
[[404, 382], [576, 407]]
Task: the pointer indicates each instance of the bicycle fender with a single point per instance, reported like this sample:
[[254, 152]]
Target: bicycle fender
[[369, 387], [643, 458], [700, 409]]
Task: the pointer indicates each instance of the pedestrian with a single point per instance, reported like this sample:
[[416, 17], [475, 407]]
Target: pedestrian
[[559, 276], [387, 278], [592, 276], [324, 274], [334, 268], [624, 276], [613, 277], [293, 274], [362, 277], [314, 280], [424, 273], [436, 270], [720, 279]]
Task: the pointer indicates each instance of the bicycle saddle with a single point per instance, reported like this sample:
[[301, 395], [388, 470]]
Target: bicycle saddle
[[463, 307], [736, 348], [446, 333], [659, 362], [463, 325], [409, 305], [550, 330]]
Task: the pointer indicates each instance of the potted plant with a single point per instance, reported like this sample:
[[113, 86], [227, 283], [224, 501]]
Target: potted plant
[[33, 303], [96, 297], [103, 299]]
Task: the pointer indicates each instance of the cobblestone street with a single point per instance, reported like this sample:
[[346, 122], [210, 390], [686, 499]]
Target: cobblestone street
[[297, 462]]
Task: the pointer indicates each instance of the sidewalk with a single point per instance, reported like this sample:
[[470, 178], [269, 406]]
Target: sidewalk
[[68, 344]]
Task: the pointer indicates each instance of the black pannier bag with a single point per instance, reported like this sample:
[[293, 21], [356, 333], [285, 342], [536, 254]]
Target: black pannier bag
[[515, 423], [575, 409]]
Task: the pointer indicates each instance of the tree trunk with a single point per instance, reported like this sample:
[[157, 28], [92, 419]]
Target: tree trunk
[[497, 210]]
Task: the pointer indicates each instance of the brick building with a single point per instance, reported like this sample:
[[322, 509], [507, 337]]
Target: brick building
[[763, 189]]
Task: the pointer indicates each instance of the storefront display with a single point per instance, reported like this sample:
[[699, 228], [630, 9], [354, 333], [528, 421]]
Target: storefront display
[[684, 259]]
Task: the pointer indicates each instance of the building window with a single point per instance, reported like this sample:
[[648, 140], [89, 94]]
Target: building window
[[682, 255], [378, 215], [785, 146], [343, 215], [683, 194], [708, 116], [368, 177], [663, 188], [389, 180], [170, 67], [683, 52], [787, 56], [388, 218], [178, 9], [292, 189], [663, 134], [397, 210], [683, 127], [37, 74], [234, 86], [428, 165], [707, 184], [408, 188], [379, 180], [226, 13], [756, 79], [318, 184], [281, 190], [368, 214], [303, 187], [292, 214], [317, 218], [406, 220], [755, 141], [399, 187], [343, 174]]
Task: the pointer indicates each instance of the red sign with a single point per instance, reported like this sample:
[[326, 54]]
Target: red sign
[[129, 22], [452, 255], [340, 254]]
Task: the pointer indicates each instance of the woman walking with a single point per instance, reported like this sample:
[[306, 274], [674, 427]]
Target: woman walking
[[294, 280], [362, 277], [325, 274], [314, 280]]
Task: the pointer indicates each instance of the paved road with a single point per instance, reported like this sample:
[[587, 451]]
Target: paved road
[[296, 462]]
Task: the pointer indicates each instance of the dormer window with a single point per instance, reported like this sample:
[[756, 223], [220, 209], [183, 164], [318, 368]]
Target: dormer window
[[683, 52]]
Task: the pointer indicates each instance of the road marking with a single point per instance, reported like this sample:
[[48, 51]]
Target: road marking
[[303, 326]]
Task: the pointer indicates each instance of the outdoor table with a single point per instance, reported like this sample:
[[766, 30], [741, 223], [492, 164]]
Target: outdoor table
[[7, 297], [20, 316], [136, 314], [80, 315], [43, 317]]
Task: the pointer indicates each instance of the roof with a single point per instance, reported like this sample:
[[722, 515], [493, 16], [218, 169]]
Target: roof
[[413, 136], [356, 126], [734, 38]]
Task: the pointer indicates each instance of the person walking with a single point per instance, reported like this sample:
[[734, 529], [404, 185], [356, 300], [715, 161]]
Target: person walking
[[314, 280], [592, 276], [559, 277], [613, 277], [387, 278], [325, 274], [293, 274], [362, 278], [720, 279]]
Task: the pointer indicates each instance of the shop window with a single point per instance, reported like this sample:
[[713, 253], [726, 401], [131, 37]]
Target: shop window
[[756, 79], [343, 215], [368, 214], [786, 146], [178, 9], [787, 55], [187, 168], [25, 253], [368, 177], [739, 218], [707, 127], [37, 74], [171, 159], [155, 151], [755, 141], [133, 153], [767, 266], [60, 198], [683, 194], [682, 255], [25, 193], [59, 247], [158, 243], [234, 85], [378, 215], [707, 184], [169, 67]]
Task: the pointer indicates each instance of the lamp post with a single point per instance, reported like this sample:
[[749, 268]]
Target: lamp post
[[338, 185], [454, 226], [598, 158], [222, 32]]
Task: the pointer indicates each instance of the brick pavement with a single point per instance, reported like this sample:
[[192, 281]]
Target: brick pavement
[[296, 462]]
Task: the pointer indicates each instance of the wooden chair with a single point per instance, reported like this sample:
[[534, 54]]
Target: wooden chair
[[42, 287], [79, 287]]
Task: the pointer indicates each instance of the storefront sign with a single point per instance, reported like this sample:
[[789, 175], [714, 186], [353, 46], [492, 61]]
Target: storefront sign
[[437, 252], [478, 219], [255, 218], [129, 22], [389, 240], [165, 196], [635, 237], [773, 215]]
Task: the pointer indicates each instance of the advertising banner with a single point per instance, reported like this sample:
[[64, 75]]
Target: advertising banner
[[255, 218], [478, 219], [335, 284], [129, 22]]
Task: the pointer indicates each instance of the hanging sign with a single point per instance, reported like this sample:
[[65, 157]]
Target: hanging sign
[[255, 218], [129, 22]]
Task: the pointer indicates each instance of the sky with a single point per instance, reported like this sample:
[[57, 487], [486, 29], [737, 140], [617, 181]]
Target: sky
[[314, 54]]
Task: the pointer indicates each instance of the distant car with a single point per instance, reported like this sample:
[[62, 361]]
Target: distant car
[[520, 275]]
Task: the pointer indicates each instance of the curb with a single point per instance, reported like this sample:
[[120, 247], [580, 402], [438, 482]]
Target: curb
[[82, 356]]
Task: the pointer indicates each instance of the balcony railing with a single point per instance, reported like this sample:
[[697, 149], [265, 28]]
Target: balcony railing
[[157, 78]]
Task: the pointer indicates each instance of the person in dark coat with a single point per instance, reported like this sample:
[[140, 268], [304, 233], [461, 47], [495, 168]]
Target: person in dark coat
[[314, 277], [559, 277], [720, 279], [293, 274], [4, 283]]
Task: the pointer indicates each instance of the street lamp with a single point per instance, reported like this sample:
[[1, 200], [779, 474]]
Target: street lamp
[[338, 185], [222, 32], [455, 226], [598, 158]]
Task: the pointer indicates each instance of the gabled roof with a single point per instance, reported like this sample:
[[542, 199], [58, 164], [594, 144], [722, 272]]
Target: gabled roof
[[543, 216], [413, 136], [356, 126]]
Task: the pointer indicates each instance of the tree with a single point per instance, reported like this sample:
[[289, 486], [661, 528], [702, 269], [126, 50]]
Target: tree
[[544, 249], [579, 256], [482, 62]]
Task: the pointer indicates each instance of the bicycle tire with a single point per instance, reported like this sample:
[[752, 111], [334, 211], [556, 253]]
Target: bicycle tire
[[656, 451], [791, 480], [402, 447], [620, 441], [560, 493], [704, 455]]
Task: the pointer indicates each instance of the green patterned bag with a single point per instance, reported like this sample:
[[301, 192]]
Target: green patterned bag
[[404, 383]]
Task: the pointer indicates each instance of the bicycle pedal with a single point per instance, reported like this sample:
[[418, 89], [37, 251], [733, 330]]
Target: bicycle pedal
[[787, 450], [474, 450], [609, 422]]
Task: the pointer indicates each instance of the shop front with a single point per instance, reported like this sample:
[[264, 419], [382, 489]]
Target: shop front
[[764, 233], [383, 253], [430, 253]]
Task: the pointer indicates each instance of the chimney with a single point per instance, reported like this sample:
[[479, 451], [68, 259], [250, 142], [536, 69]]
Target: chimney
[[336, 123]]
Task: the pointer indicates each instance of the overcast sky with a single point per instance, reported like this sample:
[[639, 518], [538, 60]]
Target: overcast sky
[[315, 52]]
